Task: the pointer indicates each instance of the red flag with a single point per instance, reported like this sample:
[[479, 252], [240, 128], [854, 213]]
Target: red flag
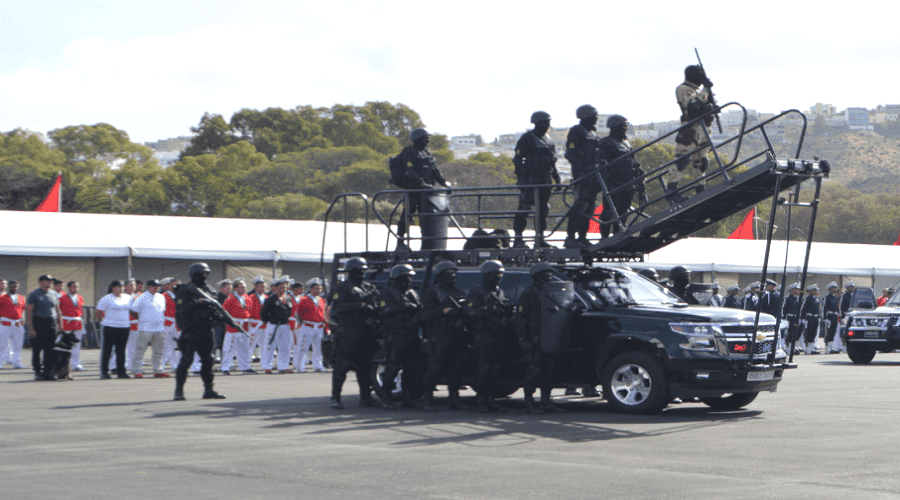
[[53, 201], [898, 241], [745, 230], [593, 225]]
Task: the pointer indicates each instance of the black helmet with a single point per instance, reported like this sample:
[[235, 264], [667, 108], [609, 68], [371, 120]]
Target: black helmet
[[402, 270], [443, 266], [539, 268], [355, 263], [615, 120], [585, 111], [649, 273], [693, 74], [491, 266], [678, 271], [538, 116], [417, 133], [198, 267]]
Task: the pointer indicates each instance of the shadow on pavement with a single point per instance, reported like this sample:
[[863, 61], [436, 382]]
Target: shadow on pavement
[[584, 420]]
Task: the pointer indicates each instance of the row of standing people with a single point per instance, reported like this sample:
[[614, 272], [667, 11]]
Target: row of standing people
[[588, 154], [450, 320]]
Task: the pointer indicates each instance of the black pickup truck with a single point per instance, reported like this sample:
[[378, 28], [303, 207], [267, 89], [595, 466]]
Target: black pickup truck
[[866, 332], [645, 346]]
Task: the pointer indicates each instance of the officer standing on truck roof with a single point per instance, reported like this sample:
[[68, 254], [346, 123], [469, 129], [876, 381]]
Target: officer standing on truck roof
[[538, 364], [445, 335], [535, 164], [414, 168], [619, 173], [353, 310], [399, 307], [583, 153], [694, 102], [491, 314]]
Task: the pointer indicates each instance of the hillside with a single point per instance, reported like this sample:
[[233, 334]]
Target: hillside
[[866, 161]]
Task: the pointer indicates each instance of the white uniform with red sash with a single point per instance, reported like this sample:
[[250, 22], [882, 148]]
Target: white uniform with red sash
[[311, 310], [235, 342], [12, 330], [170, 355]]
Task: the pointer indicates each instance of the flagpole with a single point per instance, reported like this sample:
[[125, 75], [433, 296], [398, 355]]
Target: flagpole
[[59, 200]]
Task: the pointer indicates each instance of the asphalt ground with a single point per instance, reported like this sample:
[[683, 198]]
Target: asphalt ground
[[831, 431]]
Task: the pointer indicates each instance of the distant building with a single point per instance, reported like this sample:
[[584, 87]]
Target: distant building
[[857, 119], [886, 113], [823, 110]]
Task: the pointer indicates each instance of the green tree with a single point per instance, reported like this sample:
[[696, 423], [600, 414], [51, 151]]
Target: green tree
[[291, 206], [210, 135]]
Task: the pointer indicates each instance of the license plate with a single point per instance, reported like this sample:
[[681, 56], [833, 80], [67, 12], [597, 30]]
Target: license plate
[[760, 376], [871, 335]]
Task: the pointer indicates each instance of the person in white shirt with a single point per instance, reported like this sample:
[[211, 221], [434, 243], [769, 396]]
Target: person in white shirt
[[150, 308], [113, 313]]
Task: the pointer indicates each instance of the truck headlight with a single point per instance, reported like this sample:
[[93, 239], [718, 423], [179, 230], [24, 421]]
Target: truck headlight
[[698, 336]]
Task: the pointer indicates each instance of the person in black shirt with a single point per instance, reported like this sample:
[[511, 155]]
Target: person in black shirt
[[196, 315], [421, 172], [399, 306], [445, 334], [535, 164], [490, 314]]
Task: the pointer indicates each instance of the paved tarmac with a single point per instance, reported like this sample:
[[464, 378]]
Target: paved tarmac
[[831, 431]]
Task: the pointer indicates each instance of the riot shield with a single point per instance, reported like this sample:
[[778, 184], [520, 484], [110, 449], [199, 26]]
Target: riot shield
[[557, 304]]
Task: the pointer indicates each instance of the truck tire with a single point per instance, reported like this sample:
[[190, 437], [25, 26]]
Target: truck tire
[[733, 402], [635, 382], [860, 354]]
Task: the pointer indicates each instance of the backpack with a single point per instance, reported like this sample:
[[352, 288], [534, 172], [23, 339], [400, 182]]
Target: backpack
[[398, 171]]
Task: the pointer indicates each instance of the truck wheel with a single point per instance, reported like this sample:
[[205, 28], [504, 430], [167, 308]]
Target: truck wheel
[[733, 402], [505, 391], [635, 382], [860, 354]]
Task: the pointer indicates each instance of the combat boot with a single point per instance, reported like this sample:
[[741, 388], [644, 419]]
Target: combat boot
[[547, 405], [366, 401], [481, 404], [455, 403], [572, 242], [336, 403], [540, 243], [519, 242], [673, 195], [429, 403], [531, 406], [179, 393], [699, 188], [387, 401], [494, 406], [209, 393]]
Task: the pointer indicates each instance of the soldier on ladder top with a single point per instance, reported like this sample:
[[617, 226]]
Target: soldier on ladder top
[[535, 164], [694, 101]]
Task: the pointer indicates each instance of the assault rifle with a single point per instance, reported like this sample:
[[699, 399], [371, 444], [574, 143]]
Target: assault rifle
[[712, 98]]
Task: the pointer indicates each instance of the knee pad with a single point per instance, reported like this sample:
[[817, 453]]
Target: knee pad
[[703, 164], [682, 163]]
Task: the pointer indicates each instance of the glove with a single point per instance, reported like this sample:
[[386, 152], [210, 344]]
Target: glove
[[557, 181], [708, 83]]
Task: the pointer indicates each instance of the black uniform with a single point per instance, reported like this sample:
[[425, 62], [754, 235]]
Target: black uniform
[[751, 301], [771, 303], [538, 365], [733, 302], [421, 173], [832, 310], [616, 175], [583, 153], [490, 313], [446, 336], [276, 311], [810, 314], [402, 345], [789, 312], [535, 164], [846, 300], [353, 308], [196, 318]]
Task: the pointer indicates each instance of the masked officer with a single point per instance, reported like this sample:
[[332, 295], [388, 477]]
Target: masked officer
[[419, 171], [693, 102], [731, 299], [679, 279], [810, 314], [353, 310], [535, 164], [527, 318], [490, 313], [196, 316], [618, 176], [445, 334], [790, 312], [650, 274], [399, 306], [583, 153], [831, 308]]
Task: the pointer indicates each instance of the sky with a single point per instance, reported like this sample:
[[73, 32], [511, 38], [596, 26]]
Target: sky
[[153, 69]]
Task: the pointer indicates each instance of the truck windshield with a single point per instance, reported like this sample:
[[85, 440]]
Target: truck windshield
[[621, 287]]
